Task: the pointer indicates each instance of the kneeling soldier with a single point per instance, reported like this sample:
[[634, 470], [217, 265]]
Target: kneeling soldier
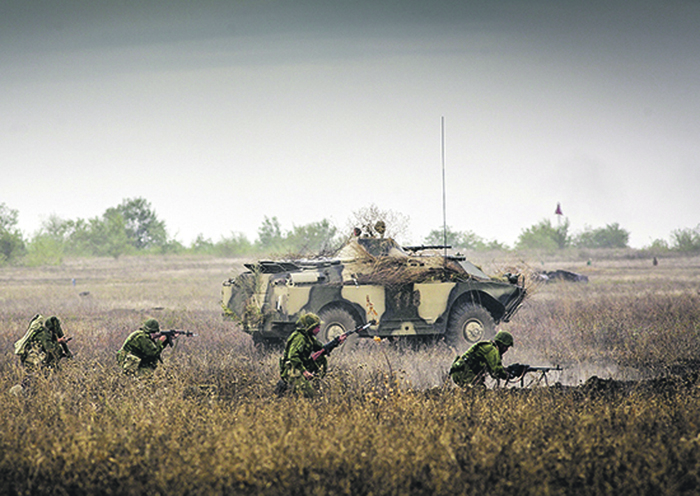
[[43, 345], [141, 351]]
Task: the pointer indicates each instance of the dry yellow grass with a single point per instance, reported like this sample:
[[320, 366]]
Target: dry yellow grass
[[208, 423]]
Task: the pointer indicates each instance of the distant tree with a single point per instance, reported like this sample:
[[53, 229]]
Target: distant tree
[[446, 236], [99, 236], [76, 235], [461, 239], [141, 224], [686, 240], [51, 242], [366, 219], [659, 245], [44, 249], [202, 245], [610, 236], [313, 239], [108, 235], [171, 246], [12, 245], [543, 236], [8, 217], [237, 244], [132, 225], [496, 245], [57, 228], [270, 235], [310, 239]]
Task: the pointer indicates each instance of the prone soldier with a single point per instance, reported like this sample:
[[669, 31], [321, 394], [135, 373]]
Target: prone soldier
[[482, 358]]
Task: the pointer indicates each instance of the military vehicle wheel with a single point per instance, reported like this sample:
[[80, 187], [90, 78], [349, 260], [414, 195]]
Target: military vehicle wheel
[[335, 322], [468, 324]]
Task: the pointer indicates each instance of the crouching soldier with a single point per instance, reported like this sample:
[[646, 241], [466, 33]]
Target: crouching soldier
[[43, 345], [298, 368], [482, 358], [141, 351]]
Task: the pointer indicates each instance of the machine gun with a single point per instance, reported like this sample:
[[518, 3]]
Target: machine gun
[[335, 342], [426, 247], [172, 334], [518, 371]]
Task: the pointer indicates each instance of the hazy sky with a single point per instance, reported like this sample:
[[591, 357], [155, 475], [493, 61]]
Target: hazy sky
[[223, 112]]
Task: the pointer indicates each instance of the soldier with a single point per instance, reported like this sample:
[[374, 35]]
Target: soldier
[[141, 351], [43, 345], [483, 357], [297, 367]]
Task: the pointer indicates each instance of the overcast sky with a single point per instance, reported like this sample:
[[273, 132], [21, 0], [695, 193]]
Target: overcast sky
[[221, 113]]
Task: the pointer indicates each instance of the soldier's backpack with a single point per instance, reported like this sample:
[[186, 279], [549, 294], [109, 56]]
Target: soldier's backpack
[[35, 326]]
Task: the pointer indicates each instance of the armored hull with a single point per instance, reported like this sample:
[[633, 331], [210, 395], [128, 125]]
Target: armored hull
[[407, 291]]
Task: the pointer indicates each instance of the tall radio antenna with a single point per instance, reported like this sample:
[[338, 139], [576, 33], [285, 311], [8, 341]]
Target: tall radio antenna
[[444, 204]]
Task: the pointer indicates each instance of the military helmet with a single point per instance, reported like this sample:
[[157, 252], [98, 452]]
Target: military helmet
[[308, 322], [150, 326], [505, 338]]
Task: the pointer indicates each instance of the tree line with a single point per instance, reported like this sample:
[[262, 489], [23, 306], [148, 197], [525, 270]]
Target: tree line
[[132, 227]]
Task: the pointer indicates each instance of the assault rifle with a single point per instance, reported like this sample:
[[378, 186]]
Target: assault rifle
[[171, 335], [335, 342], [517, 371]]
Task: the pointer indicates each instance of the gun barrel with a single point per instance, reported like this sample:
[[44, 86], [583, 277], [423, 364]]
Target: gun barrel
[[366, 326], [176, 332], [543, 369], [426, 247], [360, 328], [335, 342]]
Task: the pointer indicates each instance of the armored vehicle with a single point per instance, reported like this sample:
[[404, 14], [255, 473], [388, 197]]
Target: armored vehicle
[[409, 291]]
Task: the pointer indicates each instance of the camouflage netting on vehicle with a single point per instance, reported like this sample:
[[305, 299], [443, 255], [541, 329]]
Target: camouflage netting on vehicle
[[249, 289], [396, 272], [393, 267], [389, 265]]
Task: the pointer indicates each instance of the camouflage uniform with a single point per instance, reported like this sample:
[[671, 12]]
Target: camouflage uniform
[[39, 347], [483, 357], [297, 357], [140, 353]]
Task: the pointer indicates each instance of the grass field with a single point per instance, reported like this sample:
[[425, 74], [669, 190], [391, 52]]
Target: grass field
[[624, 417]]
